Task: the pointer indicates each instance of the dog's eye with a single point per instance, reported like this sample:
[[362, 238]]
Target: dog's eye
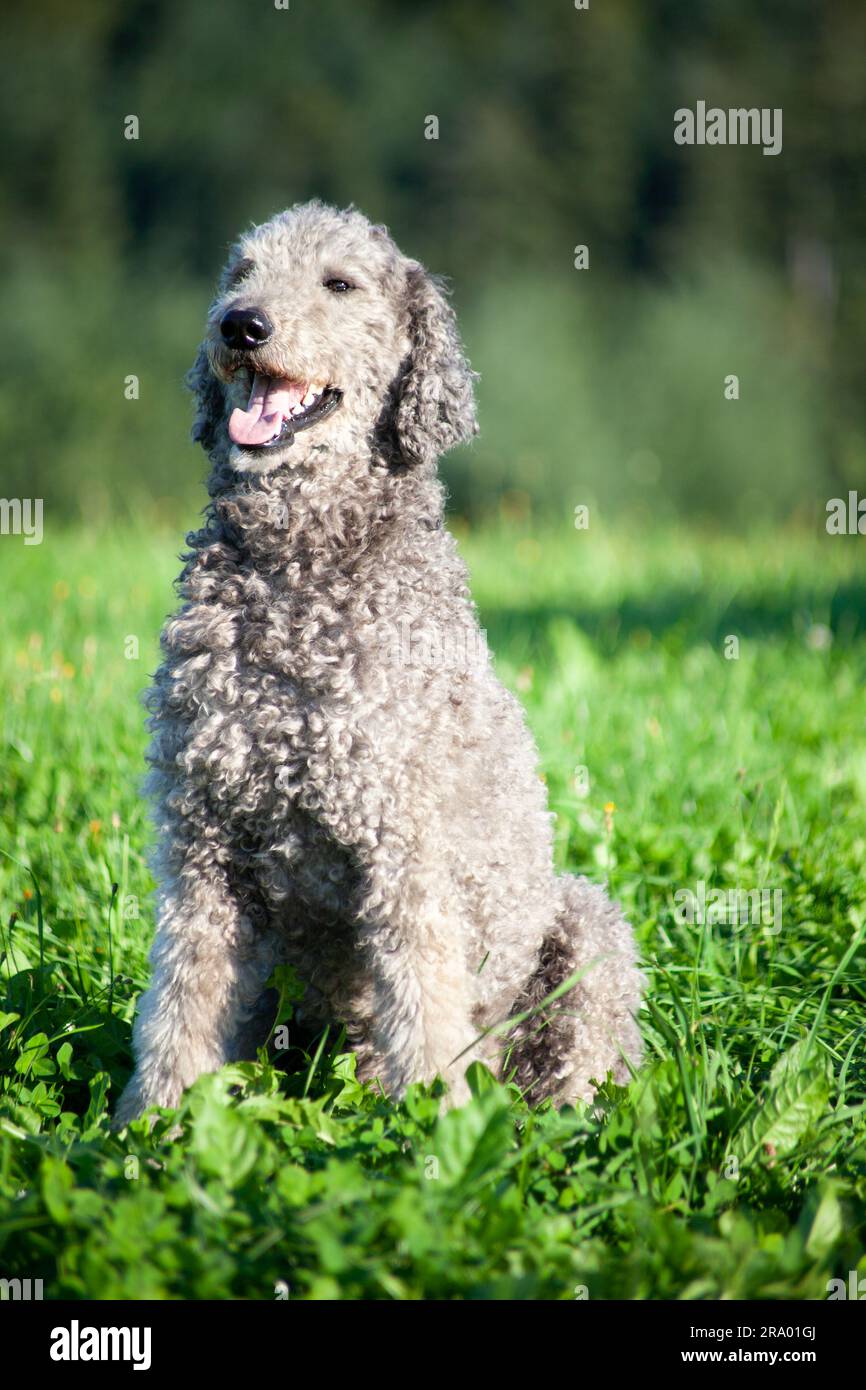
[[238, 272], [337, 286]]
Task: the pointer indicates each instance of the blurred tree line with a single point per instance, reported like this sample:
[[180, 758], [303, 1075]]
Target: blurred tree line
[[555, 129]]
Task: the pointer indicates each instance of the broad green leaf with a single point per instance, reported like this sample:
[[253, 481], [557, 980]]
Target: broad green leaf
[[826, 1224], [795, 1098], [471, 1141]]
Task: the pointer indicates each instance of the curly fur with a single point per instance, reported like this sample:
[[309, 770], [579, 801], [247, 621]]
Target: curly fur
[[339, 780]]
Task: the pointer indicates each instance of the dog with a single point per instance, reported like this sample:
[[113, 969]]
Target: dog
[[339, 780]]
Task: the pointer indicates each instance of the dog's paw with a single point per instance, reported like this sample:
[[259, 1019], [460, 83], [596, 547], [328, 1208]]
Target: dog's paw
[[136, 1099]]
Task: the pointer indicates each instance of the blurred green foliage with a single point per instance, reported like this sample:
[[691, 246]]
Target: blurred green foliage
[[555, 129]]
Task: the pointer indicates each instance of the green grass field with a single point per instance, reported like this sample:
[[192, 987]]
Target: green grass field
[[733, 1166]]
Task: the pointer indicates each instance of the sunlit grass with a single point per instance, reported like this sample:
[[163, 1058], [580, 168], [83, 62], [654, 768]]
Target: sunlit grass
[[734, 1165]]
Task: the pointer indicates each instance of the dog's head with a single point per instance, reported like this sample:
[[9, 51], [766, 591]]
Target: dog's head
[[323, 334]]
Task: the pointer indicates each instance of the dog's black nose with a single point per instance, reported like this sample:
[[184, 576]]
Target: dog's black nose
[[245, 328]]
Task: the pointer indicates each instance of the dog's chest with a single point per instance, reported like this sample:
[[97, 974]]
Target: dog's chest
[[267, 686]]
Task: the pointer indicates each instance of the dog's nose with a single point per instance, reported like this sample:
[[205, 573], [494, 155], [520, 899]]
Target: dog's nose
[[245, 328]]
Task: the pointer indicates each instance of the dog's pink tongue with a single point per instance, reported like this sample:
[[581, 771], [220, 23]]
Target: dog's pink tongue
[[271, 401]]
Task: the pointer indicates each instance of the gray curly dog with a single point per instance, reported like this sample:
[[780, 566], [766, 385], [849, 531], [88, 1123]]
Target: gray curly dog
[[340, 782]]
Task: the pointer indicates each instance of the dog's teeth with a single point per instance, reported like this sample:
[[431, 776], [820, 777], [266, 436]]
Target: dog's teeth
[[311, 396]]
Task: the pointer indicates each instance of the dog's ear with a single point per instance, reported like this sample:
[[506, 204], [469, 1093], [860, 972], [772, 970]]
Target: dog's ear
[[209, 400], [435, 400]]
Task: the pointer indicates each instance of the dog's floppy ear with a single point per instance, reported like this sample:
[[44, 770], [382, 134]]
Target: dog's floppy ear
[[209, 400], [435, 402]]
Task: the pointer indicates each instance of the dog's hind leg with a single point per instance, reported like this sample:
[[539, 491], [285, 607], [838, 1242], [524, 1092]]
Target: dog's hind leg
[[591, 1029], [210, 966]]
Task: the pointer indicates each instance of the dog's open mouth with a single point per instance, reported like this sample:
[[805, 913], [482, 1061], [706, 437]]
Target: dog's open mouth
[[278, 408]]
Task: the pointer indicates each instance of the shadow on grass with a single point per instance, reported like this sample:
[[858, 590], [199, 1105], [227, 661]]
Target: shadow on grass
[[49, 1008], [685, 617]]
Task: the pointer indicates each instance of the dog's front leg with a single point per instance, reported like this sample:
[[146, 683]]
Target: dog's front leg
[[209, 968], [414, 945]]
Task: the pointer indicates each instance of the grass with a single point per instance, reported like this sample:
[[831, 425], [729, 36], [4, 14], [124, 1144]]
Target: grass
[[734, 1165]]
